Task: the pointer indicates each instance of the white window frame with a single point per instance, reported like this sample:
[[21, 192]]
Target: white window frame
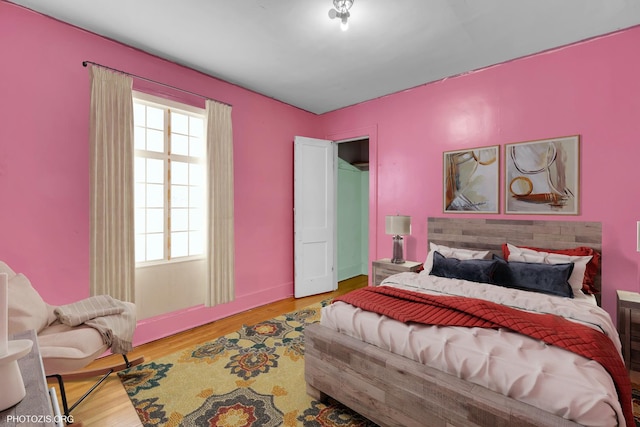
[[167, 157]]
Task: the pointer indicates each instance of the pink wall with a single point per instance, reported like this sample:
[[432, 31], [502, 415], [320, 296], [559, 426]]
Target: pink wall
[[44, 165], [591, 89]]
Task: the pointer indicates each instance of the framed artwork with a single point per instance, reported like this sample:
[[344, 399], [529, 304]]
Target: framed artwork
[[471, 180], [542, 177]]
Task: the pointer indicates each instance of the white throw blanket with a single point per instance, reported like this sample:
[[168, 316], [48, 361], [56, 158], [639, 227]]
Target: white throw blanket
[[114, 320]]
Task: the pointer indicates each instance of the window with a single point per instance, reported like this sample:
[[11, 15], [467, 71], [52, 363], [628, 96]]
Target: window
[[169, 180]]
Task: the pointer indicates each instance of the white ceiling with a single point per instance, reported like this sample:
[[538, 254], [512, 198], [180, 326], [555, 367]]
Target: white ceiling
[[291, 51]]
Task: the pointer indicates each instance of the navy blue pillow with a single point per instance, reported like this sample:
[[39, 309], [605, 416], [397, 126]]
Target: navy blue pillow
[[474, 270], [550, 279]]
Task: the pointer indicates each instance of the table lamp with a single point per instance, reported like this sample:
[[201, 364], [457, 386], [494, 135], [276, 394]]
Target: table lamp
[[397, 226]]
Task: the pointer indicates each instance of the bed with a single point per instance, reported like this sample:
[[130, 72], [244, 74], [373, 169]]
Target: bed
[[389, 384]]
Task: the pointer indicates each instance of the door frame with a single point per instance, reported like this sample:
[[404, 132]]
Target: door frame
[[370, 132]]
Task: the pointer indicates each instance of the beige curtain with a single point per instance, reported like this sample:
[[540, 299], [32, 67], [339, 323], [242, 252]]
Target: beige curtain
[[112, 225], [221, 246]]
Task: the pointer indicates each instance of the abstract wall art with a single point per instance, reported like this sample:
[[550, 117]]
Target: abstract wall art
[[542, 177], [471, 180]]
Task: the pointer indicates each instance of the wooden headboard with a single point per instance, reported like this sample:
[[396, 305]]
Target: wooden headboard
[[491, 234]]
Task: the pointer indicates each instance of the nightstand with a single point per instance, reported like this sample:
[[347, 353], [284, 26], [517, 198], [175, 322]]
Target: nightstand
[[629, 327], [384, 268]]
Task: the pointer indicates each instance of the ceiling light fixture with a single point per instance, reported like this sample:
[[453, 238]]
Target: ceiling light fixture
[[341, 11]]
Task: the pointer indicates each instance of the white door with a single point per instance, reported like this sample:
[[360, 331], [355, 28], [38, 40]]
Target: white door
[[314, 194]]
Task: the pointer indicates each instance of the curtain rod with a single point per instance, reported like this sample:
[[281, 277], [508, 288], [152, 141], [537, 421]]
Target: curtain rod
[[84, 64]]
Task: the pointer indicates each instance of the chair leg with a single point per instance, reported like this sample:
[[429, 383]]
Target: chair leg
[[65, 404], [126, 361], [63, 394]]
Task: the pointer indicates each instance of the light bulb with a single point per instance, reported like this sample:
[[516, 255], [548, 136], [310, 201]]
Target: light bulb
[[344, 24]]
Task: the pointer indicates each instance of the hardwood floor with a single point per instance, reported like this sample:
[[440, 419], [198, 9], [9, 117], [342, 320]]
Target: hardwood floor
[[109, 405]]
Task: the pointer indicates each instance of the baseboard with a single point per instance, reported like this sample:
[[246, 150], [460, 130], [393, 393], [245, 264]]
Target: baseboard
[[345, 273], [168, 324]]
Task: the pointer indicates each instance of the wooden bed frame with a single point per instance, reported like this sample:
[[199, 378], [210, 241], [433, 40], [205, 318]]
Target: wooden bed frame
[[392, 390]]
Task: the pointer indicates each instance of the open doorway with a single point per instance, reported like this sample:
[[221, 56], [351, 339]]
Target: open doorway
[[352, 210], [315, 223]]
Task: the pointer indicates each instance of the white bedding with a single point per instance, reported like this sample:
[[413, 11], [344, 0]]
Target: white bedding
[[515, 365]]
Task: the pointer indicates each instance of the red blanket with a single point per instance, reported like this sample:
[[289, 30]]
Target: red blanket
[[408, 306]]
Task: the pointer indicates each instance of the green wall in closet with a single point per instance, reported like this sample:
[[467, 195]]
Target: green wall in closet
[[353, 221]]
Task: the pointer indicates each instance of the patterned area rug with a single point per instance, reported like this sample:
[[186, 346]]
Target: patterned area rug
[[249, 378]]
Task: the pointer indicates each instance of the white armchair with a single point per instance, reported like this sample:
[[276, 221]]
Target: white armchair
[[64, 349]]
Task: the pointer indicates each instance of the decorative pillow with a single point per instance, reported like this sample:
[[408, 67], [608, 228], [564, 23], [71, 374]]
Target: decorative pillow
[[529, 255], [593, 266], [550, 279], [27, 310], [457, 253], [474, 270]]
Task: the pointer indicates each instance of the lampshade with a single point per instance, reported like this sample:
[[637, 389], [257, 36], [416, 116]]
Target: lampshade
[[398, 225]]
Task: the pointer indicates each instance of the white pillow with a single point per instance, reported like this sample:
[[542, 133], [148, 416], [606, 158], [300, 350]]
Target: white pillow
[[27, 310], [457, 253], [540, 257]]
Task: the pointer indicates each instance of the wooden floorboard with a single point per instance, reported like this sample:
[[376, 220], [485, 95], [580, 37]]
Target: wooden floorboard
[[109, 405]]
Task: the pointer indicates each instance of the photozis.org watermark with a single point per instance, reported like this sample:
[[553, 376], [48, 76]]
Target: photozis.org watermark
[[40, 419]]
